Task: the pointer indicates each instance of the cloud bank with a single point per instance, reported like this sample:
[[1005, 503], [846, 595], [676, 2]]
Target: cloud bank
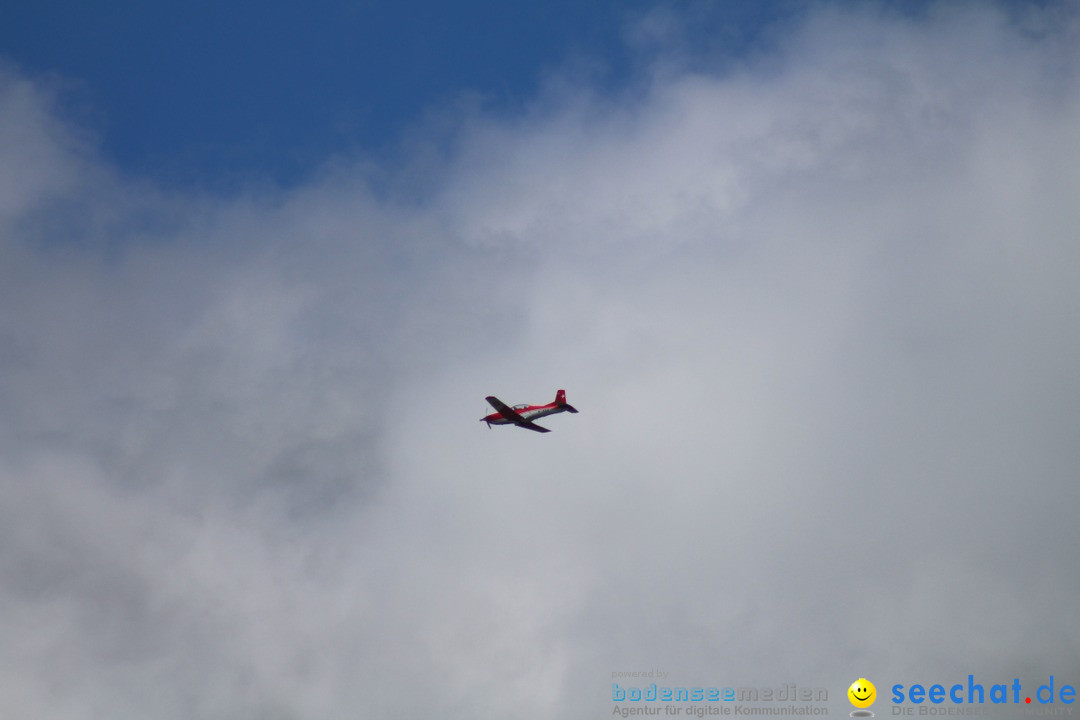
[[818, 311]]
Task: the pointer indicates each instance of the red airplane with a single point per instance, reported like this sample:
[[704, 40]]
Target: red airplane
[[522, 415]]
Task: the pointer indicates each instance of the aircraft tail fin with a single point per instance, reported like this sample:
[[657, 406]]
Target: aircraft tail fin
[[560, 400]]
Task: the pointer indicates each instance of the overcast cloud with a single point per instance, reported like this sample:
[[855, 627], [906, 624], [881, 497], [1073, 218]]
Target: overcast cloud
[[819, 312]]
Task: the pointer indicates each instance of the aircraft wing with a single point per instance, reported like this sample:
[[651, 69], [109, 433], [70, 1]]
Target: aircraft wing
[[528, 424], [505, 410], [512, 415]]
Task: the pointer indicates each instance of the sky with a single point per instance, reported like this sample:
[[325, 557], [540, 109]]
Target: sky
[[216, 92], [807, 273]]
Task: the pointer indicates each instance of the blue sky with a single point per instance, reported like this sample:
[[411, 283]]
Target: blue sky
[[209, 92], [204, 90]]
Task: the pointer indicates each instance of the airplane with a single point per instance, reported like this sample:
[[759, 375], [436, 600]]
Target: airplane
[[522, 415]]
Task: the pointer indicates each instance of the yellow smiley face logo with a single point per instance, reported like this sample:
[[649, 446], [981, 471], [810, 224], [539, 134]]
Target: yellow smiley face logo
[[862, 693]]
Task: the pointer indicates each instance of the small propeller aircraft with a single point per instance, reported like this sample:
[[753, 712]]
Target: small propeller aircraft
[[524, 414]]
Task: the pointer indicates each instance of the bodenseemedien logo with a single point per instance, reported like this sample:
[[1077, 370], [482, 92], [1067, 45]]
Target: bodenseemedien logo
[[785, 700], [862, 695]]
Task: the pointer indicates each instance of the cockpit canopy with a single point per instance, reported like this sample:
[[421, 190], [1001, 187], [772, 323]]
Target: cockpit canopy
[[521, 406]]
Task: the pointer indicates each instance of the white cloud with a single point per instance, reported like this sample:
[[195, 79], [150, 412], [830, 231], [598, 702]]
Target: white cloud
[[817, 312]]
